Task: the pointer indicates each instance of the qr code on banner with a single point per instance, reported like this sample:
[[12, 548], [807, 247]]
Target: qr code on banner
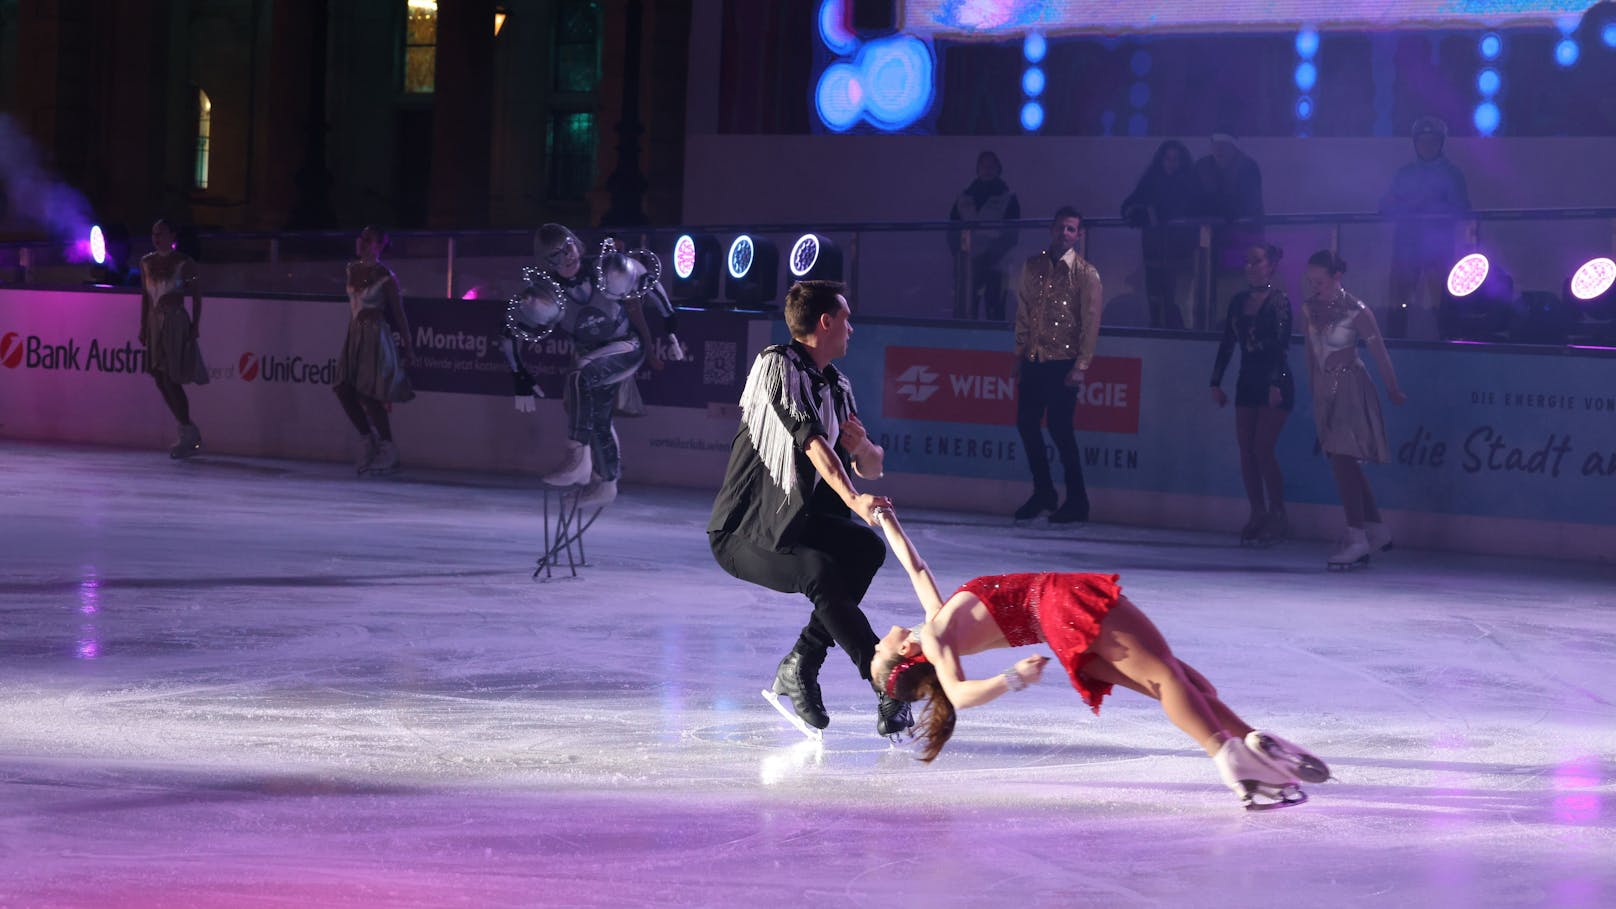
[[718, 363]]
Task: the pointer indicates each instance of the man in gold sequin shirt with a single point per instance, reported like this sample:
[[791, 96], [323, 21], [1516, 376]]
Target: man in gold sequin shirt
[[1057, 325]]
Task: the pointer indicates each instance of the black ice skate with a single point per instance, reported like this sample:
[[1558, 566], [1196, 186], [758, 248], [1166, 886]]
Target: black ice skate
[[893, 718], [797, 679]]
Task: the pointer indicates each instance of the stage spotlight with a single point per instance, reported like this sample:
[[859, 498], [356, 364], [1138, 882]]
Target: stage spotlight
[[1590, 295], [1590, 286], [696, 265], [752, 270], [1477, 302], [815, 258], [109, 248]]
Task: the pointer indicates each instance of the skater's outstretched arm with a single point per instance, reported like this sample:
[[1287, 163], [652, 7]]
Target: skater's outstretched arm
[[919, 574], [830, 470]]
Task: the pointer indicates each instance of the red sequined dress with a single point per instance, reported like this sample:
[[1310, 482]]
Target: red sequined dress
[[1061, 610]]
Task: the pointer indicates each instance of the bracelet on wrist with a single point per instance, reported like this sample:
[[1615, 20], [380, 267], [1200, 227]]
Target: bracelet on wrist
[[1013, 680]]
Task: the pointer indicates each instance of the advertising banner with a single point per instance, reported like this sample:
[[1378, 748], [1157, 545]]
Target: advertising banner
[[1491, 432]]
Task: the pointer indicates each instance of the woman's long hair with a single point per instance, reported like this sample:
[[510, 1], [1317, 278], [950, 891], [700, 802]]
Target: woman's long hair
[[936, 725]]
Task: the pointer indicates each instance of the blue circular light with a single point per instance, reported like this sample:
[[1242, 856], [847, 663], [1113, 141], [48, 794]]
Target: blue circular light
[[1608, 34], [833, 27], [1491, 46], [1032, 82], [1307, 76], [1032, 116], [1307, 43], [1304, 108], [740, 257], [1486, 118], [1138, 125], [1034, 47], [98, 245], [1488, 82], [839, 97], [1139, 94], [1567, 52], [896, 74], [1140, 64], [804, 253]]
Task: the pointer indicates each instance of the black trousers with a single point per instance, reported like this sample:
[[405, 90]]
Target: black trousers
[[1043, 396], [832, 563]]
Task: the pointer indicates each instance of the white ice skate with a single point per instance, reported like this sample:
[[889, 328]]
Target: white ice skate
[[575, 468], [385, 462], [815, 735], [1379, 535], [1354, 552], [368, 449], [598, 494], [1260, 783], [1289, 756]]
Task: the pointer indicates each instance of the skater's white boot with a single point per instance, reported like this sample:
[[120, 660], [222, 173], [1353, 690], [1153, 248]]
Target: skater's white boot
[[386, 460], [1259, 782], [575, 467], [598, 494], [1380, 536], [1288, 755], [369, 447], [1354, 551]]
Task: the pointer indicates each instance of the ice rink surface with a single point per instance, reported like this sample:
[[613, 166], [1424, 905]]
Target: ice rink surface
[[236, 682]]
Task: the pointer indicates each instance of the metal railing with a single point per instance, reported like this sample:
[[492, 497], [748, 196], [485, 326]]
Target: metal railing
[[915, 270]]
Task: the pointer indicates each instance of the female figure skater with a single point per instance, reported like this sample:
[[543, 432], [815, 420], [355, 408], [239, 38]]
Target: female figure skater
[[369, 373], [1101, 638], [1346, 409], [1259, 320], [173, 356]]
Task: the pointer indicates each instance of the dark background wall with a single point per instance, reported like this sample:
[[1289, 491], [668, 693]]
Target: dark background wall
[[311, 125]]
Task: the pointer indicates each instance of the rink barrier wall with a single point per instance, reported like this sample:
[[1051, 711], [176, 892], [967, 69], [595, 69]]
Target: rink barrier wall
[[1505, 451]]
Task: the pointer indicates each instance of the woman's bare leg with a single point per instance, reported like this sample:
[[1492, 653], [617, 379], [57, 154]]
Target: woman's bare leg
[[1230, 721], [1134, 647]]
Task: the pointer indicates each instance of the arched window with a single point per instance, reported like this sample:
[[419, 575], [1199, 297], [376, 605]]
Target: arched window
[[204, 129], [570, 140], [577, 46], [420, 45]]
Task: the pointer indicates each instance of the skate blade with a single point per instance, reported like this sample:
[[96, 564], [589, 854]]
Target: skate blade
[[1348, 566], [814, 735], [1266, 797]]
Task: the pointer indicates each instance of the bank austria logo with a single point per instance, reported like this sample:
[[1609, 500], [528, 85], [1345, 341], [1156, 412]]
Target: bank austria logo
[[34, 352], [917, 383], [294, 370]]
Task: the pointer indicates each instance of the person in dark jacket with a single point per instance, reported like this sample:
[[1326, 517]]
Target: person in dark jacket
[[988, 198], [1423, 246], [784, 517], [1168, 191]]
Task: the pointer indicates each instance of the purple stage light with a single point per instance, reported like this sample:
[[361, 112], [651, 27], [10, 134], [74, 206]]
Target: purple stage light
[[98, 245], [684, 257], [1593, 279], [1468, 274]]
